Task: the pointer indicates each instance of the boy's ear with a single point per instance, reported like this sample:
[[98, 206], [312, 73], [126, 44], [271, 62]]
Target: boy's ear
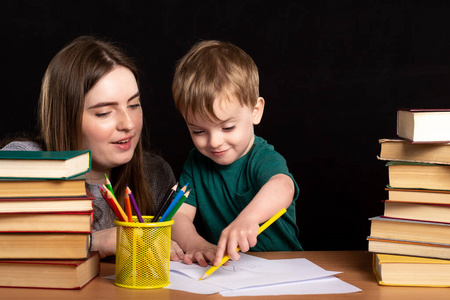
[[258, 111]]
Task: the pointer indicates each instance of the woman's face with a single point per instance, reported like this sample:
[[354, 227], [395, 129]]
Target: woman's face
[[112, 119]]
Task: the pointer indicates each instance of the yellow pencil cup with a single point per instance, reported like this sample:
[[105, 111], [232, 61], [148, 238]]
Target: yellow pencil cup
[[143, 253]]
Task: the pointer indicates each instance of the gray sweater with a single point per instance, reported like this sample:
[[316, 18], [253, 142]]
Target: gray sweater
[[158, 173]]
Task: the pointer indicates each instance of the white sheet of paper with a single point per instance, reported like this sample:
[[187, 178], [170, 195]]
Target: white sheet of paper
[[184, 283], [325, 285], [253, 276], [251, 271]]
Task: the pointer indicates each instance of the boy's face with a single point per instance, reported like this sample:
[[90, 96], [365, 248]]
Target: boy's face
[[228, 139]]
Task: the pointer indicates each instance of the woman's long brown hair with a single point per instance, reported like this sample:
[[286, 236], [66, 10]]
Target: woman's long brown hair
[[70, 75]]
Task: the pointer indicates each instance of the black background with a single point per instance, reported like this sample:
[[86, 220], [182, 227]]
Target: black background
[[333, 74]]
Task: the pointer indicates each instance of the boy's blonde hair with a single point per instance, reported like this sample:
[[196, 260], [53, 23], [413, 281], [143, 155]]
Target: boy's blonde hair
[[213, 69]]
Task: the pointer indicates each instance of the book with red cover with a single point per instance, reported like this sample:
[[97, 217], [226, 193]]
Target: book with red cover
[[45, 245], [76, 222], [21, 188], [47, 204], [49, 274]]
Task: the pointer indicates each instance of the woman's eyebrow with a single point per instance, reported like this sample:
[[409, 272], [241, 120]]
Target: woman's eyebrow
[[102, 104], [108, 103], [138, 94]]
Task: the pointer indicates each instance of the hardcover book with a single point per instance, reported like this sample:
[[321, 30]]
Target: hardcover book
[[419, 196], [411, 248], [50, 274], [410, 230], [424, 125], [418, 175], [401, 150], [57, 245], [21, 188], [44, 164], [47, 204], [399, 270], [80, 222], [417, 211]]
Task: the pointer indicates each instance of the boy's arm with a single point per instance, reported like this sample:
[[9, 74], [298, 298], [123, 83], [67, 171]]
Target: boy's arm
[[276, 194], [196, 248]]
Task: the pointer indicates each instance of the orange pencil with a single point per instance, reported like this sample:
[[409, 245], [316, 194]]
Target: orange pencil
[[128, 207]]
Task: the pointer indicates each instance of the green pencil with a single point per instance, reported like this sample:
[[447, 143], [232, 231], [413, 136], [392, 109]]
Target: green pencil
[[177, 206], [108, 185]]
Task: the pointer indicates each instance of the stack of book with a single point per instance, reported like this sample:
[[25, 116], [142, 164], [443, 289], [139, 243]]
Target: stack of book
[[414, 232], [46, 219]]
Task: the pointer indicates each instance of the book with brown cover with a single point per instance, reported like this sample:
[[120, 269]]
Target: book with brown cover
[[77, 222], [49, 274], [47, 204], [22, 188], [56, 245]]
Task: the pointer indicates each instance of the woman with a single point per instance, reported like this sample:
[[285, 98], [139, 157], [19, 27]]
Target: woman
[[90, 99]]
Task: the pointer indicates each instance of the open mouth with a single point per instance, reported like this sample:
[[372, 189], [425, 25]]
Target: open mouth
[[123, 141]]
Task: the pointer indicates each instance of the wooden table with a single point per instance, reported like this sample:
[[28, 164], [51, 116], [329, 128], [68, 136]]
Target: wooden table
[[355, 265]]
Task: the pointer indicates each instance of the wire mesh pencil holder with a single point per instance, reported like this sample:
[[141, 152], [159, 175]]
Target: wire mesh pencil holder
[[143, 253]]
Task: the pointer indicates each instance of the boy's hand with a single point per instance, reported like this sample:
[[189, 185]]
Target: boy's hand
[[202, 253], [176, 253], [242, 232]]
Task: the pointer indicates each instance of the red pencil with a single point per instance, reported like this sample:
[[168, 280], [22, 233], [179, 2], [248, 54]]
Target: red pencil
[[114, 204]]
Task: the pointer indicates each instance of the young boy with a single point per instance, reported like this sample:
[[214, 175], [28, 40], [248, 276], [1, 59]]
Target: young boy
[[237, 180]]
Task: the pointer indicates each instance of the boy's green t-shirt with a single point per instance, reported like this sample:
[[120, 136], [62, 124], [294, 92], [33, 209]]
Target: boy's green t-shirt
[[220, 193]]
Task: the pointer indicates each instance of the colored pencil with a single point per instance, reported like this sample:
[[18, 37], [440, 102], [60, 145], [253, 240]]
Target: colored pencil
[[104, 191], [173, 203], [128, 207], [166, 203], [261, 229], [108, 185], [134, 204], [122, 215], [177, 206]]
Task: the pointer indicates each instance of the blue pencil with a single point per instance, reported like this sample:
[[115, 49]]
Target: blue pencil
[[174, 202]]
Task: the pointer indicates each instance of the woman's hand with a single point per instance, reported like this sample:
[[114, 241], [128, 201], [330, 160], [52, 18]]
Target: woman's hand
[[105, 242]]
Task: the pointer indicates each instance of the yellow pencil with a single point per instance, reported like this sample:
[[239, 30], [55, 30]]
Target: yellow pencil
[[261, 229]]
